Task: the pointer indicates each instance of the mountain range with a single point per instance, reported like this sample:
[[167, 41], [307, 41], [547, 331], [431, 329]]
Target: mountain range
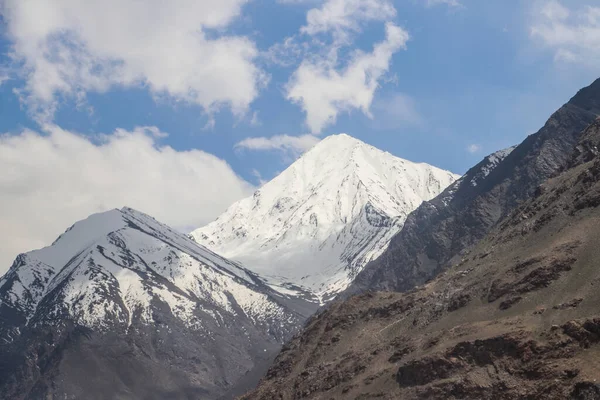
[[515, 318], [490, 279], [151, 313], [436, 234]]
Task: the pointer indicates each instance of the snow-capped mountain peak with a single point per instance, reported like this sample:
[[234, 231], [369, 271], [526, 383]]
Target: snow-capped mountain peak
[[114, 266], [120, 291], [314, 226]]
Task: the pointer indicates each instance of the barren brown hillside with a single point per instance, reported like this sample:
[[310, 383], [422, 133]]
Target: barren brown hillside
[[518, 317]]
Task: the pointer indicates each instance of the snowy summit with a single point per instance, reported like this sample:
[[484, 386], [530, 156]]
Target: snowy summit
[[312, 228]]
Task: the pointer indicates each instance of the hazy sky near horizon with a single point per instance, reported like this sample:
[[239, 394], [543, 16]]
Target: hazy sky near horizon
[[179, 108]]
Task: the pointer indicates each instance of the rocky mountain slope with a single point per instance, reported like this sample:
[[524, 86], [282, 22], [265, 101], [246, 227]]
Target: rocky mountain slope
[[516, 318], [439, 230], [121, 306], [311, 229]]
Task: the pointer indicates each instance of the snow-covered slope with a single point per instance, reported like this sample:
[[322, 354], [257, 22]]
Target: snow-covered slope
[[142, 309], [112, 267], [311, 229]]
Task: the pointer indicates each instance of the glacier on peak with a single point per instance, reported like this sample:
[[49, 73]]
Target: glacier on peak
[[313, 227]]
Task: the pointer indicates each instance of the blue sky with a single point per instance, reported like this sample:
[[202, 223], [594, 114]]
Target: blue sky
[[231, 92]]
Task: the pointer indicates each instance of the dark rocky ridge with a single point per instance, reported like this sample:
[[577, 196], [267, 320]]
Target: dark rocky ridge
[[516, 318], [437, 232]]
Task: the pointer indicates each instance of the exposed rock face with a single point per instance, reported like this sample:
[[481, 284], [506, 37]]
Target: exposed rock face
[[439, 230], [517, 317], [123, 307]]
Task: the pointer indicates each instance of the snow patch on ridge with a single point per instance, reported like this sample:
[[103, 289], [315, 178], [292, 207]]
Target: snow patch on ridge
[[492, 162]]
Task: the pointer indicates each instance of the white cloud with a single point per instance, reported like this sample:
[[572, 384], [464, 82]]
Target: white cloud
[[340, 16], [289, 145], [51, 180], [450, 3], [287, 52], [174, 48], [328, 27], [330, 77], [294, 2], [573, 35], [255, 120], [474, 148], [323, 91], [256, 173]]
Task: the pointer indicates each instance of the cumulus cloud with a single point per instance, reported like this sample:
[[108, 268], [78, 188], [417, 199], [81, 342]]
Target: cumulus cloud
[[340, 16], [323, 90], [173, 48], [328, 27], [53, 179], [573, 35], [290, 145], [330, 76]]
